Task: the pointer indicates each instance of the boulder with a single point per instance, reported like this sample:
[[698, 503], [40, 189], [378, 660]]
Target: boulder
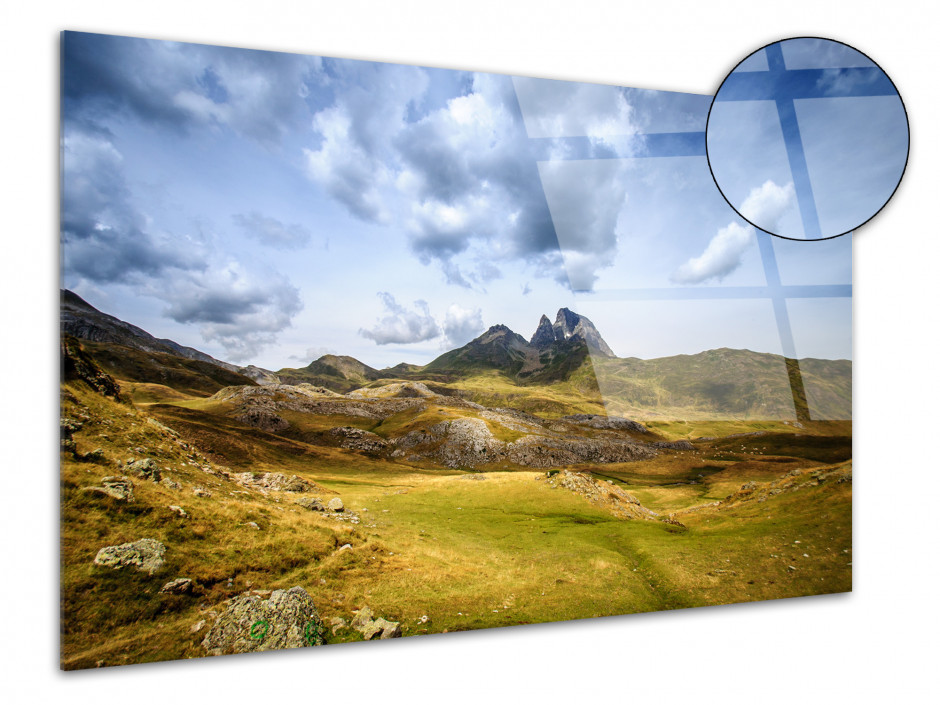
[[288, 619], [175, 508], [312, 503], [201, 492], [144, 555], [336, 505], [145, 468]]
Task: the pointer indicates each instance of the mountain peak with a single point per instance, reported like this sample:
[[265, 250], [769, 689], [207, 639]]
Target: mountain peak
[[569, 324], [544, 335]]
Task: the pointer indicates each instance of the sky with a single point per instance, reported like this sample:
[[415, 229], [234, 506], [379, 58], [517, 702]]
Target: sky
[[846, 119], [269, 208]]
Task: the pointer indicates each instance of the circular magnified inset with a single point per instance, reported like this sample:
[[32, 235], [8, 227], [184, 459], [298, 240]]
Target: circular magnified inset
[[807, 138]]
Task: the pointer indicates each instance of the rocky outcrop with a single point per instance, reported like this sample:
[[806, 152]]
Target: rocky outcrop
[[288, 619], [263, 419], [314, 504], [273, 482], [616, 423], [570, 325], [373, 627], [146, 469], [605, 494], [144, 555], [180, 586], [357, 439], [76, 365], [120, 488], [544, 335]]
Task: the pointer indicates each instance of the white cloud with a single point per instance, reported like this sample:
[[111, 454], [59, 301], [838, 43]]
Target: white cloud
[[272, 232], [402, 326], [767, 204], [461, 325], [721, 257]]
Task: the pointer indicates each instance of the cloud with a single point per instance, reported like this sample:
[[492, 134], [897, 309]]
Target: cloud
[[767, 204], [722, 256], [314, 353], [402, 326], [106, 239], [459, 171], [241, 310], [563, 109], [461, 325], [272, 232], [258, 94]]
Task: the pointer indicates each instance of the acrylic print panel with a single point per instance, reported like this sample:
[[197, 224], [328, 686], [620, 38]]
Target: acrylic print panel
[[356, 351]]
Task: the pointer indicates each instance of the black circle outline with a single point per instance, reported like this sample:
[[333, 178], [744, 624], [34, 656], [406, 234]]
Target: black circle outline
[[907, 156]]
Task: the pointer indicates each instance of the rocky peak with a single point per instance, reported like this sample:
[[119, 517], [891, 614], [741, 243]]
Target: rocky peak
[[569, 324], [544, 335]]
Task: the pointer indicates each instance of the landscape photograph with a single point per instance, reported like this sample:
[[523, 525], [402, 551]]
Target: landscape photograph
[[356, 351]]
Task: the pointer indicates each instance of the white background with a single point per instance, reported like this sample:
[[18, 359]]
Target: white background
[[878, 642]]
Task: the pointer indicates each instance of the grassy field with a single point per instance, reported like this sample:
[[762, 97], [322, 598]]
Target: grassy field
[[465, 550]]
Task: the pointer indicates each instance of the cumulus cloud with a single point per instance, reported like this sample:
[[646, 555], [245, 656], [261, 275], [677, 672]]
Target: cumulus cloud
[[768, 203], [241, 310], [401, 326], [562, 108], [764, 205], [722, 256], [272, 232], [459, 172], [461, 325]]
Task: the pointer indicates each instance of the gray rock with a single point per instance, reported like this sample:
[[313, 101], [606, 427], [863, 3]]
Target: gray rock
[[253, 525], [178, 510], [336, 504], [120, 488], [288, 619], [201, 492], [167, 482], [180, 586], [144, 555], [145, 468], [312, 503], [373, 627]]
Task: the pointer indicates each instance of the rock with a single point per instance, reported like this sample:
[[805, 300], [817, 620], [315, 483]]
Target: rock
[[180, 586], [197, 627], [144, 555], [201, 492], [253, 525], [145, 468], [167, 482], [345, 547], [377, 627], [276, 481], [288, 619], [337, 623], [357, 439], [312, 503], [178, 510], [265, 419], [336, 504], [120, 488]]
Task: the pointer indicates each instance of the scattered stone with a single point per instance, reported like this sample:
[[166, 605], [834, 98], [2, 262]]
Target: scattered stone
[[145, 468], [336, 504], [345, 546], [197, 627], [288, 619], [180, 586], [357, 439], [336, 624], [120, 488], [373, 627], [253, 525], [144, 555], [95, 456], [314, 504], [201, 492], [167, 482], [179, 510]]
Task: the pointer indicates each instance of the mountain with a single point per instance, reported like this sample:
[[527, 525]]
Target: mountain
[[340, 373], [570, 326], [130, 353]]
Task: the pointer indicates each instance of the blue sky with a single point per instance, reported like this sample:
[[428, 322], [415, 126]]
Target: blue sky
[[269, 208], [815, 101]]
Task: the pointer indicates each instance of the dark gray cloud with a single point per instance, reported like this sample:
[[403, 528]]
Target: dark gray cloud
[[105, 237], [401, 326], [259, 94], [272, 232]]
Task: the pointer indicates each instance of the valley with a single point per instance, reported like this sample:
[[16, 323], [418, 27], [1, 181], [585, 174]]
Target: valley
[[508, 482]]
